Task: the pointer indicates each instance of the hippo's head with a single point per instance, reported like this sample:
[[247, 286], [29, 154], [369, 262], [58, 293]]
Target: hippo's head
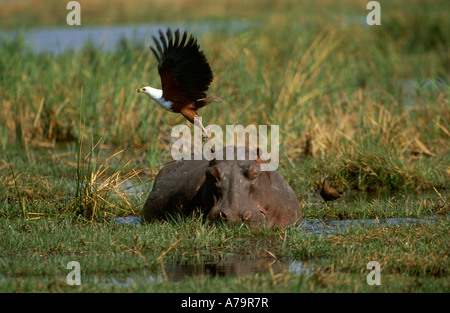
[[240, 190]]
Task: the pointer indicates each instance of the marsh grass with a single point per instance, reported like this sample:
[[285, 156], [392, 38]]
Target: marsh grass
[[372, 100], [362, 135], [349, 101], [412, 258], [96, 186]]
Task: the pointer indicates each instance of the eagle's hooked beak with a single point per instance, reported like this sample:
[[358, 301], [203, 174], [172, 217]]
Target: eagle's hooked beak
[[141, 90]]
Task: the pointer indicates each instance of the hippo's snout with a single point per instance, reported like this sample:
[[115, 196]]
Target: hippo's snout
[[235, 216], [243, 216]]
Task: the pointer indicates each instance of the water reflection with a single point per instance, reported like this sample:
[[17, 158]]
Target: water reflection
[[230, 267], [233, 266]]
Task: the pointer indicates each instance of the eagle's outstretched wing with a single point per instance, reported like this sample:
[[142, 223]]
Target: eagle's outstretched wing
[[184, 70]]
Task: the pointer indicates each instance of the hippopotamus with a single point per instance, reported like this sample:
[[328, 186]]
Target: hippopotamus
[[232, 191]]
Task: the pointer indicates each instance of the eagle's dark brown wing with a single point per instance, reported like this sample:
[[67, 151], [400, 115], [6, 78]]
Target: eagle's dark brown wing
[[184, 70]]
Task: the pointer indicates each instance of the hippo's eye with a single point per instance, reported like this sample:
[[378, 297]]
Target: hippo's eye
[[253, 171]]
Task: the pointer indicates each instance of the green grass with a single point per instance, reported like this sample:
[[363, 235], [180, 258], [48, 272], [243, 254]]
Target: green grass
[[35, 255], [374, 100]]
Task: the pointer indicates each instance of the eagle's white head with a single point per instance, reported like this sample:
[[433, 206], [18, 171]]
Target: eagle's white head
[[156, 94], [151, 92]]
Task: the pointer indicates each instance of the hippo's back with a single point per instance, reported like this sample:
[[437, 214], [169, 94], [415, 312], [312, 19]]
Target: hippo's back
[[175, 187]]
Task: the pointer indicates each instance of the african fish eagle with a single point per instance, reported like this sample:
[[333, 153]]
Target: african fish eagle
[[185, 76]]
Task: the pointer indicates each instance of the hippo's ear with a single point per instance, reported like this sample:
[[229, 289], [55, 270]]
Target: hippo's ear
[[258, 154], [253, 171], [214, 173]]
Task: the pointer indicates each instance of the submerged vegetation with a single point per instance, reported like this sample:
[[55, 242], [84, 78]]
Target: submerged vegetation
[[80, 148]]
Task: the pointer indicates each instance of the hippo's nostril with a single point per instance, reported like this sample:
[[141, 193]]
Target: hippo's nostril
[[223, 215], [247, 215]]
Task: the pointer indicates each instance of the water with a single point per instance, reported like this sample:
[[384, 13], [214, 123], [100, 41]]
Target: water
[[233, 266], [317, 226], [74, 38], [128, 220]]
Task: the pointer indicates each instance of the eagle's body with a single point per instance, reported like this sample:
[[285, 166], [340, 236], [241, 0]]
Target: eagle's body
[[185, 75]]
